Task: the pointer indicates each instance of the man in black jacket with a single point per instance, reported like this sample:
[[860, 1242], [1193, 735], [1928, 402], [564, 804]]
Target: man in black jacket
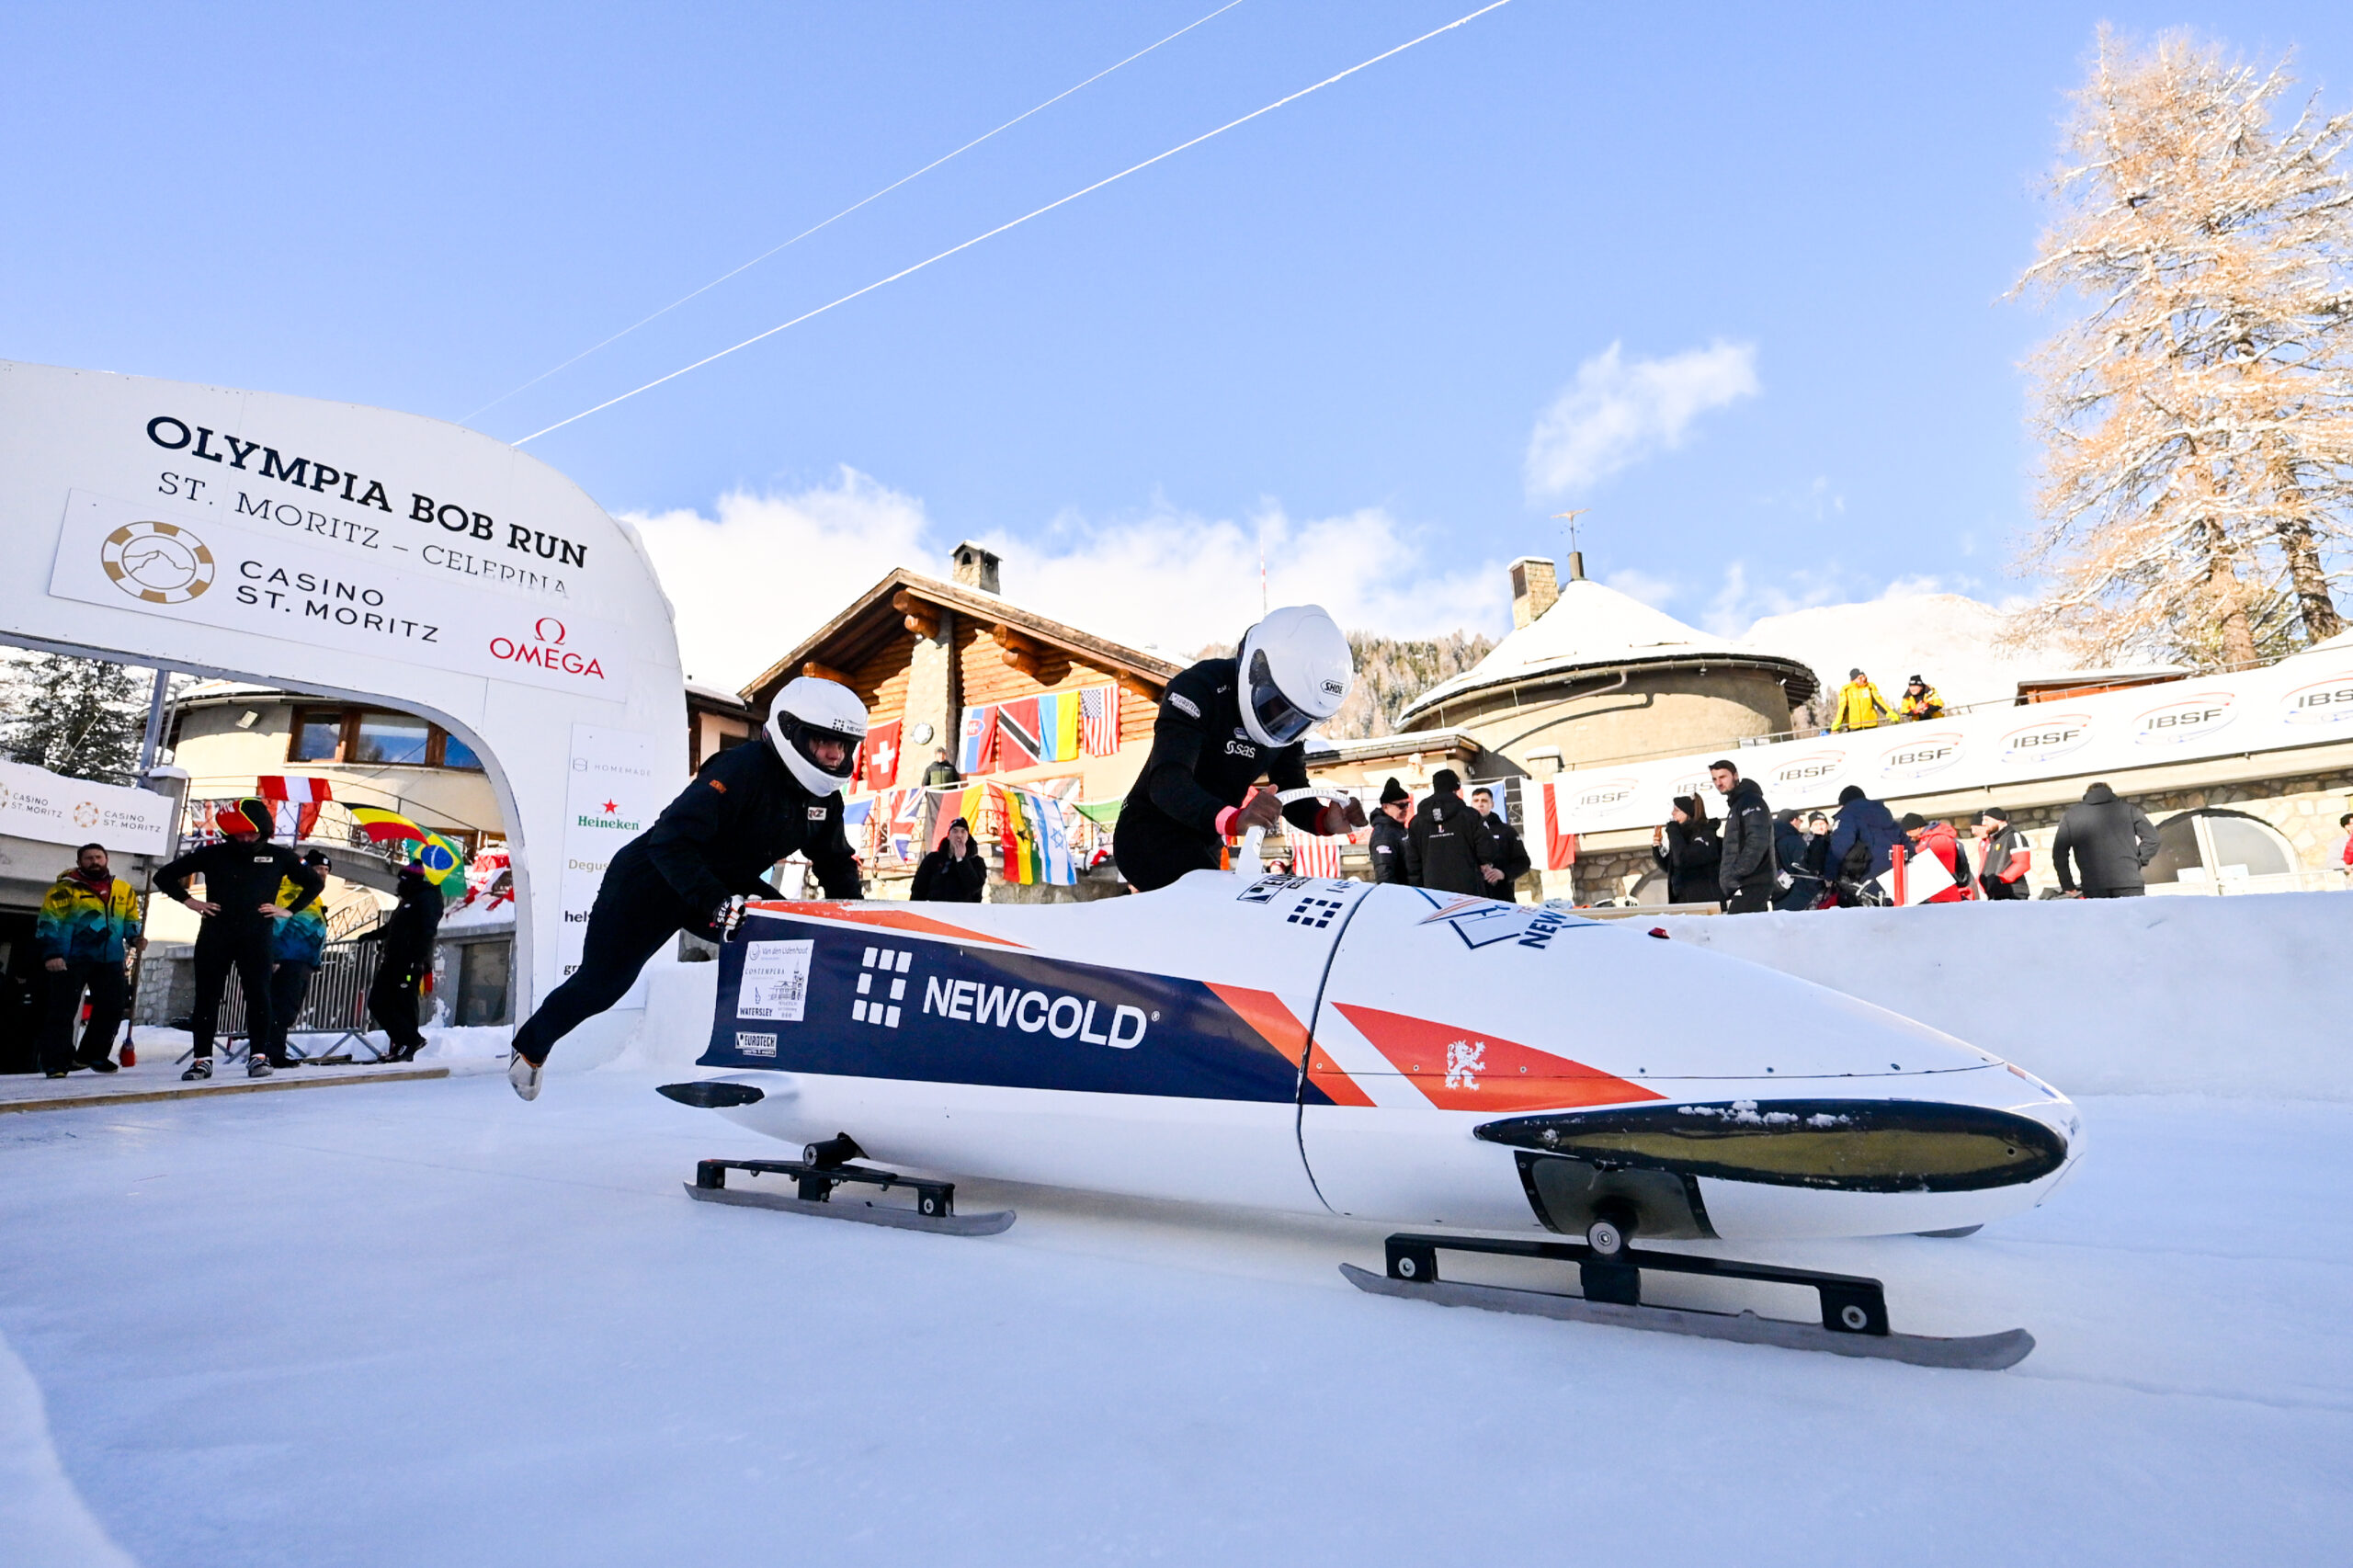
[[750, 807], [1449, 848], [240, 908], [405, 957], [1511, 853], [1389, 832], [1224, 724], [953, 873], [2110, 841], [1747, 872]]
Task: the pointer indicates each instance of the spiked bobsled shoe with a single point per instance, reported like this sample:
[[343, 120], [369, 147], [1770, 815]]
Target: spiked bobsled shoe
[[257, 1066], [524, 1073], [200, 1068]]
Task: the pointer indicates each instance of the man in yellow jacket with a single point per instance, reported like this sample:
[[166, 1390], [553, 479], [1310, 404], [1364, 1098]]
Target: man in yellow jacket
[[1860, 707]]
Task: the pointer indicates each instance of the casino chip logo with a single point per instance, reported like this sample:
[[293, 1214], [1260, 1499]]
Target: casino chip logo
[[159, 563]]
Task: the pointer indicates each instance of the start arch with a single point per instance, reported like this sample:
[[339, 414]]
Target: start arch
[[358, 554]]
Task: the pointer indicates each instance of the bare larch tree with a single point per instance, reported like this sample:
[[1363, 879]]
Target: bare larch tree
[[2197, 417]]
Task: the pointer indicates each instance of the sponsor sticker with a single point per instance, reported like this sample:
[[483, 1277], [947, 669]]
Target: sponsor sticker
[[776, 981], [750, 1044]]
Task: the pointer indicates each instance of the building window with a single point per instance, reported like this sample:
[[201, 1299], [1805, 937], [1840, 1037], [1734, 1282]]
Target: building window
[[2218, 846], [373, 735], [483, 971]]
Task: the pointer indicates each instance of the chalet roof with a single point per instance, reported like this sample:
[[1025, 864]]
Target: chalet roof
[[879, 614], [1590, 627]]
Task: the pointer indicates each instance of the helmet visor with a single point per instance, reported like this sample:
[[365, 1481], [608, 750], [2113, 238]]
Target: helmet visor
[[1280, 717]]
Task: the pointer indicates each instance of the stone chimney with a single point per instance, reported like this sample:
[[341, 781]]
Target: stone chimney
[[1534, 589], [976, 567]]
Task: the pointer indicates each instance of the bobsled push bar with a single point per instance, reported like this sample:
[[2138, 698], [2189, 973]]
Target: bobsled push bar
[[825, 1166], [1853, 1310]]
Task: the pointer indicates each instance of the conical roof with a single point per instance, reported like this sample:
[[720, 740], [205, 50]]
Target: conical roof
[[1591, 625]]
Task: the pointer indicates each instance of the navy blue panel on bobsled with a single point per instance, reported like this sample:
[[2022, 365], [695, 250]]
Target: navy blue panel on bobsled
[[808, 996]]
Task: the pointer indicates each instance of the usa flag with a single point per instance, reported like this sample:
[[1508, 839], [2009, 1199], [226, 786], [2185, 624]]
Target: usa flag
[[1098, 720]]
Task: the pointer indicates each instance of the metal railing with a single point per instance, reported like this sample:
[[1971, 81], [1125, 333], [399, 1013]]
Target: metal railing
[[335, 1005]]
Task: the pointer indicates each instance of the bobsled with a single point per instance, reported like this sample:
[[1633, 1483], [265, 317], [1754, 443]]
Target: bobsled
[[1500, 1074]]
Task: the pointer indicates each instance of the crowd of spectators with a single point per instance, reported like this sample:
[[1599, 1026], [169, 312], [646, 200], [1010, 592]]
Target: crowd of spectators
[[1860, 705]]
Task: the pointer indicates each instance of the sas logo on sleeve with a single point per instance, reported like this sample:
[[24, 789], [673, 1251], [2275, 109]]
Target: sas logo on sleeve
[[161, 564]]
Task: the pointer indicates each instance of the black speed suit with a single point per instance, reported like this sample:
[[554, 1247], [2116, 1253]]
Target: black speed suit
[[743, 812], [241, 879], [1202, 761]]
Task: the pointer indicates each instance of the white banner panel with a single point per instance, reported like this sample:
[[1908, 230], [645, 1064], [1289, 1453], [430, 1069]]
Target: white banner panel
[[37, 804], [362, 591], [614, 795], [2304, 701]]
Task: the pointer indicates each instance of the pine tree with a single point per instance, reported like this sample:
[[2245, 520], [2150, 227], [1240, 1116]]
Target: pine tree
[[1392, 672], [82, 717], [2197, 417]]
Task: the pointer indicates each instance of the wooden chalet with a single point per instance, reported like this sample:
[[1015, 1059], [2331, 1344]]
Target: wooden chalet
[[920, 650]]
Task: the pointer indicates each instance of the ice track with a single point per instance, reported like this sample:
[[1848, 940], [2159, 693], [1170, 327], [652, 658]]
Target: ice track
[[422, 1322]]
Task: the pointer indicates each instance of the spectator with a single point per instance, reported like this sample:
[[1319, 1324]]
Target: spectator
[[1448, 848], [1687, 850], [1936, 843], [942, 772], [1866, 832], [1747, 872], [1919, 701], [1790, 852], [1860, 705], [405, 961], [298, 947], [2346, 822], [1389, 834], [1511, 855], [2110, 842], [88, 921], [954, 872], [2003, 857], [1817, 861]]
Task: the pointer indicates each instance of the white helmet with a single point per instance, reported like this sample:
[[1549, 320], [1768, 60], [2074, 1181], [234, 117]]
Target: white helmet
[[1295, 671], [808, 707]]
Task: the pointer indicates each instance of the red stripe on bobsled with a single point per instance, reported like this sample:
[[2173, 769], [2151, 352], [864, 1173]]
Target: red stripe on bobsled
[[1462, 1069], [1279, 1026], [866, 915]]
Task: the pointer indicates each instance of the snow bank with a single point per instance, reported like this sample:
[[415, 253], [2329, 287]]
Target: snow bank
[[2243, 996], [675, 1026], [41, 1516]]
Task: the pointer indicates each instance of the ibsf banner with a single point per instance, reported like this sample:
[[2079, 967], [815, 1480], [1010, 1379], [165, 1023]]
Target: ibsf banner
[[360, 588], [2300, 701], [51, 809], [614, 794]]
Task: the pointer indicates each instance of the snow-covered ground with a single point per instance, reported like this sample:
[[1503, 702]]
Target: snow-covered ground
[[425, 1322]]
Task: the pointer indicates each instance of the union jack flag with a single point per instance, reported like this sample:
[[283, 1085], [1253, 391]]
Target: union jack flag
[[1098, 720]]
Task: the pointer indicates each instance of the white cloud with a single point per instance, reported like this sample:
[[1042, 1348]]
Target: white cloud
[[1656, 592], [1617, 413], [768, 570]]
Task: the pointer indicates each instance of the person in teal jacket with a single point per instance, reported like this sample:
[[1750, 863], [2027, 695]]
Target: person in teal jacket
[[297, 948], [88, 924]]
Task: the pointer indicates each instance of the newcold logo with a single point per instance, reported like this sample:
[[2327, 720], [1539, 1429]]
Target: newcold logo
[[2053, 735]]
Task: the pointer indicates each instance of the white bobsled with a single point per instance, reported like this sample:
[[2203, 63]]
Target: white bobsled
[[1385, 1052]]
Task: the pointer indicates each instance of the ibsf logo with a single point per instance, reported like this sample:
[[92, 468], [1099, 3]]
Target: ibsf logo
[[2055, 735], [161, 564], [2183, 720], [1921, 755], [545, 650], [1813, 768], [2323, 702]]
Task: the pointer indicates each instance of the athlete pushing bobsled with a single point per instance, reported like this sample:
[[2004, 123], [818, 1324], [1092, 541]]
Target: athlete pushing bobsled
[[748, 808], [1224, 724]]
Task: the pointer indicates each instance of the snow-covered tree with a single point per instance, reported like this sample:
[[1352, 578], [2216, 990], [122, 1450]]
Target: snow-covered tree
[[2198, 415], [82, 718]]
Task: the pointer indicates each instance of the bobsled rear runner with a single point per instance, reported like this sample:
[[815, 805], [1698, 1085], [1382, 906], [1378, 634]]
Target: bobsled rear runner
[[1377, 1052]]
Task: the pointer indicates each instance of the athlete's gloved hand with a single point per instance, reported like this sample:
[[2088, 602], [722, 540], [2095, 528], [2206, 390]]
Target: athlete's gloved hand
[[1333, 821], [1261, 810]]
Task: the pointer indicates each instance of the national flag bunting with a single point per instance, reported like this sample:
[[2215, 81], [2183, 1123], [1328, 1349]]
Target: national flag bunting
[[1312, 854], [1560, 848], [1058, 724], [976, 740], [878, 757], [1017, 734], [1098, 709], [386, 828], [1036, 839], [294, 802]]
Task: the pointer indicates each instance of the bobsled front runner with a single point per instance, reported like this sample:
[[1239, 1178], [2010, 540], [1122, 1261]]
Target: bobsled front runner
[[1385, 1052]]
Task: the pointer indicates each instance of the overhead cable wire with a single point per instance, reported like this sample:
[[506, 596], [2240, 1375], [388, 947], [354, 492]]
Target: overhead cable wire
[[1015, 222], [845, 211]]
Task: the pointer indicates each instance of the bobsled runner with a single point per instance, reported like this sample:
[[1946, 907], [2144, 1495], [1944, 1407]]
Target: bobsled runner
[[1456, 1064]]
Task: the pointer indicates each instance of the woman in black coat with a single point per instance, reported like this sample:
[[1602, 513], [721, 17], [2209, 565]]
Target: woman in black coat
[[1687, 850], [953, 873]]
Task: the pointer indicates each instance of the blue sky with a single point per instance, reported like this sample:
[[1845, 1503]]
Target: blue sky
[[1339, 327]]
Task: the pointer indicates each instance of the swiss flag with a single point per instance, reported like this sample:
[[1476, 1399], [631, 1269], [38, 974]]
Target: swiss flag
[[881, 758]]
